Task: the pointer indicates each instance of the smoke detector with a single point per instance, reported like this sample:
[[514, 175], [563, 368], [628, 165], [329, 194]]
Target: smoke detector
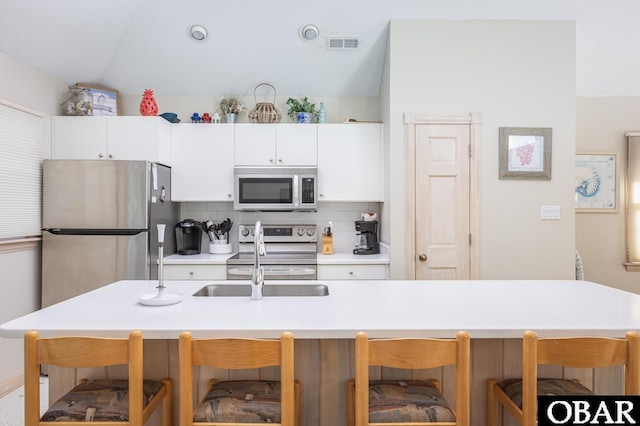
[[309, 32]]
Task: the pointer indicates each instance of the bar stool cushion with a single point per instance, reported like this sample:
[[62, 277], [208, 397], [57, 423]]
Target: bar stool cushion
[[241, 401], [407, 401], [513, 388], [98, 400]]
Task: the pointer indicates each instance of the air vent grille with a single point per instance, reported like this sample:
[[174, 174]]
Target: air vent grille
[[343, 43]]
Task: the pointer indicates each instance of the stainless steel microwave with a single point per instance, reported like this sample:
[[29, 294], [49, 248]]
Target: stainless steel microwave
[[276, 188]]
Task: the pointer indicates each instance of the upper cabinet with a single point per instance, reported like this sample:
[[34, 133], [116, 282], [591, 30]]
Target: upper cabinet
[[202, 163], [111, 138], [276, 145], [350, 166]]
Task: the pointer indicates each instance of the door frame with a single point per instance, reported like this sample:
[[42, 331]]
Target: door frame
[[474, 121]]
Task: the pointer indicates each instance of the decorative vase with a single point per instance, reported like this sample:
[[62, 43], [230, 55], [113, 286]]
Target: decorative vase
[[231, 118], [148, 106], [303, 117], [322, 114]]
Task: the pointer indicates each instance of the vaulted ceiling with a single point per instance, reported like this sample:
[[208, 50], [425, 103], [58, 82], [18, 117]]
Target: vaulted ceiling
[[131, 45]]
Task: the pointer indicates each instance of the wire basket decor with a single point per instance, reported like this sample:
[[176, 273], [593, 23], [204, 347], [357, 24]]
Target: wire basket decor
[[265, 112]]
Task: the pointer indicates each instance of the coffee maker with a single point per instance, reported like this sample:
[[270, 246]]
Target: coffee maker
[[367, 237], [188, 236]]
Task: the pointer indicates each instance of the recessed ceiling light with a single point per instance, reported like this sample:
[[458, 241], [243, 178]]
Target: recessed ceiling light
[[198, 33], [309, 32]]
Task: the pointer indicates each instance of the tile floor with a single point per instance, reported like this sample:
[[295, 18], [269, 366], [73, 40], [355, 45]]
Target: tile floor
[[12, 405]]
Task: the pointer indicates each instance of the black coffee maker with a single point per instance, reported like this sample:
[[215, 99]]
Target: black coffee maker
[[367, 237], [188, 236]]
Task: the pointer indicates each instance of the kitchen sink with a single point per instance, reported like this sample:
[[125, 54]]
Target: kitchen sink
[[269, 290]]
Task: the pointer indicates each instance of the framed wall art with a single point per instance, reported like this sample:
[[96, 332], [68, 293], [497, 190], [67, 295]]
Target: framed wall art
[[525, 153], [105, 101], [596, 183]]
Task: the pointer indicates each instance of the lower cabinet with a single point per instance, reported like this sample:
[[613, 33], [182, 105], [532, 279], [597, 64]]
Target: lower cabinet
[[352, 272], [195, 272]]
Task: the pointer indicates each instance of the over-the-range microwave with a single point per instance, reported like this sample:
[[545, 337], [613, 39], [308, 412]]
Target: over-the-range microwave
[[275, 188]]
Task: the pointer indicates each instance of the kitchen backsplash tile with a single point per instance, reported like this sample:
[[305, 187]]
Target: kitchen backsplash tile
[[341, 214]]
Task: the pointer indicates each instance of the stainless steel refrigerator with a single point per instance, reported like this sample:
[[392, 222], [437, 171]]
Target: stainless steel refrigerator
[[99, 223]]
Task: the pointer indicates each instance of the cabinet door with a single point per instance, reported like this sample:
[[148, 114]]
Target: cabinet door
[[139, 138], [79, 138], [297, 145], [255, 145], [202, 162], [350, 164]]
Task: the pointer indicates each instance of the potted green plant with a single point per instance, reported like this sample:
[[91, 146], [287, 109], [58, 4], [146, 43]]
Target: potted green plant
[[301, 110], [230, 107]]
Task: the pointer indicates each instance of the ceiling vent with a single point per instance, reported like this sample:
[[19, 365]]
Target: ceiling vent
[[343, 43]]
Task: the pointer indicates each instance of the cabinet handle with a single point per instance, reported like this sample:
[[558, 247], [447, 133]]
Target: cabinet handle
[[279, 160], [228, 195], [422, 258], [191, 273], [100, 156], [110, 156], [321, 194], [351, 273], [271, 160]]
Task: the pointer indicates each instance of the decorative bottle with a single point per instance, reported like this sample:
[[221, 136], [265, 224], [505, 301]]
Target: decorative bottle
[[322, 114], [80, 101]]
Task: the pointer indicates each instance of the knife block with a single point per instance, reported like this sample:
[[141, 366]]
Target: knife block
[[327, 243]]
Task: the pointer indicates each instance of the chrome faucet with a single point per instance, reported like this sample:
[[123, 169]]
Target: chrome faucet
[[257, 278]]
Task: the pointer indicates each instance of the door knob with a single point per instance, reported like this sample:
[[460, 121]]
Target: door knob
[[422, 258]]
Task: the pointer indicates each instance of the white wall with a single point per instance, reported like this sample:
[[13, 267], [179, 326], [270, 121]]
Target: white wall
[[600, 237], [516, 74], [20, 283]]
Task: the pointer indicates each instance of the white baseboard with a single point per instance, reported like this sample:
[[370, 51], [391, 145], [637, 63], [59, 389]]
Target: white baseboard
[[11, 383]]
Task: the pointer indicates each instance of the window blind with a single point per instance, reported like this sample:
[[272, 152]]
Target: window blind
[[21, 136], [633, 198]]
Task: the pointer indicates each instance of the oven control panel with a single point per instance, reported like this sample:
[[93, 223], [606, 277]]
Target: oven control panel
[[280, 233]]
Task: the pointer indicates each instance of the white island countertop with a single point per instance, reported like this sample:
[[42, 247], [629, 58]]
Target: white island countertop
[[486, 309]]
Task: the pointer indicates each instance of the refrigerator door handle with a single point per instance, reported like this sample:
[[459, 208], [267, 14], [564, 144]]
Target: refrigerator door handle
[[60, 231]]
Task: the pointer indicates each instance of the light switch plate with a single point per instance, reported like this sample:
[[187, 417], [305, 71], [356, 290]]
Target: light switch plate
[[550, 212]]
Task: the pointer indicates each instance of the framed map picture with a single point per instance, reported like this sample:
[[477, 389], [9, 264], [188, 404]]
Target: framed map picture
[[596, 183], [105, 101]]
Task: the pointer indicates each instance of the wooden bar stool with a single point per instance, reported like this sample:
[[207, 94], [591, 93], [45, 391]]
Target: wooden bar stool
[[410, 402], [240, 401], [519, 395], [123, 402]]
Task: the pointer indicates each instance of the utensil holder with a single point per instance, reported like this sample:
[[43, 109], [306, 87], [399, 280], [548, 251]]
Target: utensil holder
[[216, 248]]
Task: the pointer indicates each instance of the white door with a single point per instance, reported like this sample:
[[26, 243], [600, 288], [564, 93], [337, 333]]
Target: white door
[[442, 207]]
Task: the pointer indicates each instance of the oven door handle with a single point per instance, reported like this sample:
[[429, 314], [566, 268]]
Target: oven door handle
[[270, 270]]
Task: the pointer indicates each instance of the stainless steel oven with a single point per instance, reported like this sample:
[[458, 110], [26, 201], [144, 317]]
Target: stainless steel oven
[[291, 253]]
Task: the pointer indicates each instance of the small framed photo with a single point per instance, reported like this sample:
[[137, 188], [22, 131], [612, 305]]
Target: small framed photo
[[596, 183], [105, 101], [525, 153]]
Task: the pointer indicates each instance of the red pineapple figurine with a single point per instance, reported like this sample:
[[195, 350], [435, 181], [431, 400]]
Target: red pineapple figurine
[[148, 106]]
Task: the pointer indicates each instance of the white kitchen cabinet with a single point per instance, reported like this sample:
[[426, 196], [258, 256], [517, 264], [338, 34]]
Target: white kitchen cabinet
[[195, 272], [352, 272], [350, 166], [276, 145], [111, 138], [202, 162]]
